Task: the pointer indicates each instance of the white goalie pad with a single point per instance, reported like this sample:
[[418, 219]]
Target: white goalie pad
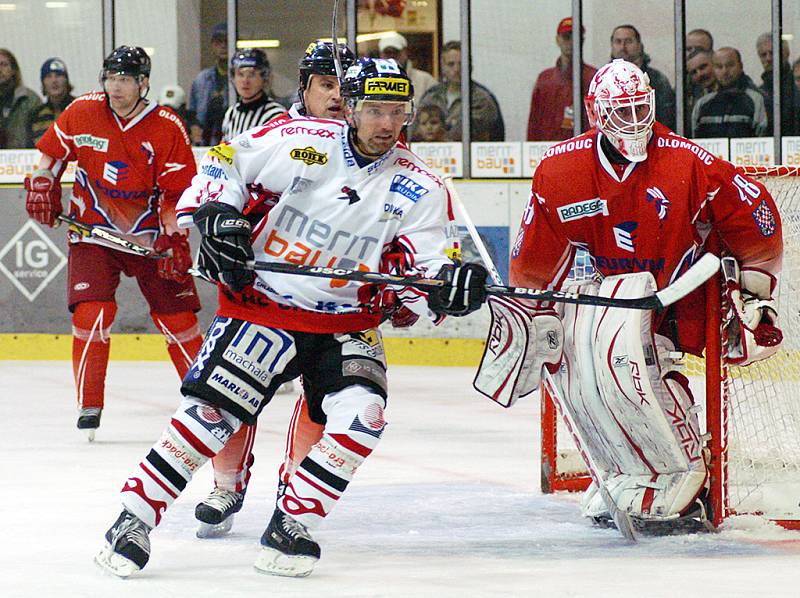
[[632, 406], [520, 342]]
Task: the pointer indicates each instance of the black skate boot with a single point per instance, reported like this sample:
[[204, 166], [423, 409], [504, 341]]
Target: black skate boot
[[89, 420], [127, 548], [215, 513], [287, 548]]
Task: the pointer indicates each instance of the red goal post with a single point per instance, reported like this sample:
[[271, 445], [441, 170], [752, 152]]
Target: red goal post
[[751, 415]]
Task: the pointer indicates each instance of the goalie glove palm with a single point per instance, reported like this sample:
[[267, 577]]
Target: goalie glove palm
[[464, 290], [226, 253]]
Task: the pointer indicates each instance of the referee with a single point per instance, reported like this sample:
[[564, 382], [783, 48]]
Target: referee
[[250, 73]]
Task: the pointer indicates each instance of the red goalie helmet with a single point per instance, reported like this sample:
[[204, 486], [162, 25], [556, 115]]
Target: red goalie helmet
[[621, 104]]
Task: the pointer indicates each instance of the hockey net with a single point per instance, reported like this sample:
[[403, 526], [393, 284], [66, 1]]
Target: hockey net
[[751, 415]]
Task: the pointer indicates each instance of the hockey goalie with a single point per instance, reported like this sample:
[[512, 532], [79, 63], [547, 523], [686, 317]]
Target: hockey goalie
[[642, 201]]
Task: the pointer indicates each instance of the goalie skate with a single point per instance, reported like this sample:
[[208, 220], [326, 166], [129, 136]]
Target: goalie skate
[[215, 513], [287, 549], [127, 547]]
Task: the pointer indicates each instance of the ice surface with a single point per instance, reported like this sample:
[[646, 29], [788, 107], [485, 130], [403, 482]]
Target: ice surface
[[448, 505]]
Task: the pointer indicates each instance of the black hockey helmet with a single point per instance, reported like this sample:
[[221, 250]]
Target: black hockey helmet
[[377, 79], [250, 58], [318, 60], [126, 60]]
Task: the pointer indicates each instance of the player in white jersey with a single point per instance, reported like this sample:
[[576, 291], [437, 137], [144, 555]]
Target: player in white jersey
[[318, 91], [350, 194]]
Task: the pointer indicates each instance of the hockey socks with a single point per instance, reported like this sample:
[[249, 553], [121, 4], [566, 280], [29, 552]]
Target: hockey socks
[[183, 338], [196, 433], [91, 324]]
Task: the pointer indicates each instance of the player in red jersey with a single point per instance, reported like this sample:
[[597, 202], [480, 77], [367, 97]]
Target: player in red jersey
[[134, 160], [642, 201]]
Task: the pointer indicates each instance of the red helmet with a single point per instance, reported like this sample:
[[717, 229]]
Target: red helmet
[[621, 104]]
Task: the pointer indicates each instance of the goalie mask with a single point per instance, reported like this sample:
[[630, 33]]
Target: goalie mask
[[621, 105], [378, 80]]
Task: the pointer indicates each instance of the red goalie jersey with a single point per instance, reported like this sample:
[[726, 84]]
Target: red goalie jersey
[[129, 173], [651, 216]]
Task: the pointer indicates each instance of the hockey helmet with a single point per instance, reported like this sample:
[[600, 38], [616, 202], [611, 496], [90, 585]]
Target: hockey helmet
[[621, 104], [126, 60], [250, 58], [377, 80], [318, 60]]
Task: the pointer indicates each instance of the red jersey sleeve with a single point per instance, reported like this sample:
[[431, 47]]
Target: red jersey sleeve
[[542, 256], [746, 217]]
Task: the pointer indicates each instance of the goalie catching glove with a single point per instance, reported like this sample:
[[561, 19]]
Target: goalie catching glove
[[750, 329], [43, 202], [464, 290], [226, 253]]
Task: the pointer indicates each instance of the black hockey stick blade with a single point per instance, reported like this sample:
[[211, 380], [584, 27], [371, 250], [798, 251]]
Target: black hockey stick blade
[[88, 230]]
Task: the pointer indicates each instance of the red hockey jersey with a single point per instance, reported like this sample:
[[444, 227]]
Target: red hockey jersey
[[127, 172], [650, 216]]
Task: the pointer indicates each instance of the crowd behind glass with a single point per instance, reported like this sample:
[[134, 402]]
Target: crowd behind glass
[[721, 100]]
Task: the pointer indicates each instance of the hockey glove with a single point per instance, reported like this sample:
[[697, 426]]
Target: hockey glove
[[226, 253], [43, 202], [176, 259], [464, 290], [750, 329]]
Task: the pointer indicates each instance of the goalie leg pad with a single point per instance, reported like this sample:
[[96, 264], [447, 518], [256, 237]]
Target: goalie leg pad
[[521, 341]]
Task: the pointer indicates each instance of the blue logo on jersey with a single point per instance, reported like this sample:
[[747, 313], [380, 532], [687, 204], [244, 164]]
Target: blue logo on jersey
[[654, 194], [407, 187], [623, 235], [115, 172]]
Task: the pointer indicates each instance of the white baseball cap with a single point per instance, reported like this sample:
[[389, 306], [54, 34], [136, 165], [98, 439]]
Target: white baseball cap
[[392, 40]]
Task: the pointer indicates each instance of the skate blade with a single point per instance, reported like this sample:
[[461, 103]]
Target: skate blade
[[273, 562], [90, 434], [115, 564], [211, 530]]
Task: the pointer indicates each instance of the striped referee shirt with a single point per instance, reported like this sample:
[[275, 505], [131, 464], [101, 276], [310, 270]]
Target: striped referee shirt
[[240, 116]]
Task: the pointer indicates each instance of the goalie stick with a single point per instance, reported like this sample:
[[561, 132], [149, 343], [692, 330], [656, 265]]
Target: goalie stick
[[88, 230], [621, 518]]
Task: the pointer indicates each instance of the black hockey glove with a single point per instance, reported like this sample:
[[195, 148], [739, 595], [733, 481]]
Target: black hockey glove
[[464, 290], [225, 248]]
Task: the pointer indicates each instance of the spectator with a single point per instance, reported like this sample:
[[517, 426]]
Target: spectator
[[700, 69], [736, 108], [250, 75], [430, 127], [552, 113], [626, 43], [394, 45], [17, 103], [796, 73], [789, 97], [208, 98], [487, 121], [174, 97], [56, 89], [698, 39]]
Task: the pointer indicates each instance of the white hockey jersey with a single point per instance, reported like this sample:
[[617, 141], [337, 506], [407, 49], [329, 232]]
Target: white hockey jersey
[[324, 210]]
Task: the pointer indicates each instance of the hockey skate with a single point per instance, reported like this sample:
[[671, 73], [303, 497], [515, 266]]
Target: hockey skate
[[127, 548], [89, 420], [287, 548], [215, 513]]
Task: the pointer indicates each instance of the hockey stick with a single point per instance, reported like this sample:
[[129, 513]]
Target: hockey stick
[[689, 281], [88, 230], [620, 517]]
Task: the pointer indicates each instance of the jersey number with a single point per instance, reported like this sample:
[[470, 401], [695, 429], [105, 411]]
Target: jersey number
[[746, 189]]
